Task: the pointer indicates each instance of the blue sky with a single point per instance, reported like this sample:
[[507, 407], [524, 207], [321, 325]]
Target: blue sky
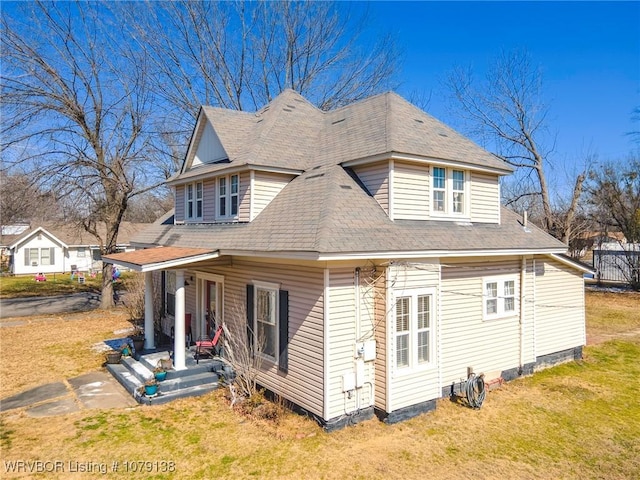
[[589, 53]]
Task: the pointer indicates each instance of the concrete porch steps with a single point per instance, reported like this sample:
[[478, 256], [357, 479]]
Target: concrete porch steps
[[196, 379]]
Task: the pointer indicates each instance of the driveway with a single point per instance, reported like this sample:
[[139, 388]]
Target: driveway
[[28, 306]]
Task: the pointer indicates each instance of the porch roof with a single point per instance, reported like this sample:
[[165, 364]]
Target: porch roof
[[158, 258]]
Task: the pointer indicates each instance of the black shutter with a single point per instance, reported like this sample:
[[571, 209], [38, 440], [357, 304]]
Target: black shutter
[[283, 332], [250, 294]]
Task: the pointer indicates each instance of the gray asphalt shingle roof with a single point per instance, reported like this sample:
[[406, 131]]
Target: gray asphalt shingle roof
[[324, 211]]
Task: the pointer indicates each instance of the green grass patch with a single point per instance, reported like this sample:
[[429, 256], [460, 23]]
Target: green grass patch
[[57, 284]]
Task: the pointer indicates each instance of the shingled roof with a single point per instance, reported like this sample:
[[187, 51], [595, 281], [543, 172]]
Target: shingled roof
[[291, 133], [325, 212]]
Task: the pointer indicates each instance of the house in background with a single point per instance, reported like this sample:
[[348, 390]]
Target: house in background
[[58, 249], [362, 253]]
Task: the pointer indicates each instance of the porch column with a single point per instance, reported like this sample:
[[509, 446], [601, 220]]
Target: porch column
[[179, 344], [149, 331]]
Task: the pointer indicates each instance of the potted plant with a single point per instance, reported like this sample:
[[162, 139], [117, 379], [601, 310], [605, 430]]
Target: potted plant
[[137, 337], [125, 349], [114, 356], [159, 372], [151, 387]]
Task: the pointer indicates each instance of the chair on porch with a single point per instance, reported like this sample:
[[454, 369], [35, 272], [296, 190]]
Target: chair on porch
[[208, 346]]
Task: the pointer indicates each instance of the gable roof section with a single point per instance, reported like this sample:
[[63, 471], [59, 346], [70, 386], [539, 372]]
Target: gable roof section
[[68, 235], [25, 237]]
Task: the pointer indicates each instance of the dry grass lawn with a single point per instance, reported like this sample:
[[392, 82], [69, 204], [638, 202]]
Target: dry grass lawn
[[578, 420]]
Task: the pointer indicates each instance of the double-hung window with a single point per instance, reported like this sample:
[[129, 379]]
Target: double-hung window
[[266, 316], [448, 191], [194, 196], [413, 319], [228, 196], [499, 297], [268, 323]]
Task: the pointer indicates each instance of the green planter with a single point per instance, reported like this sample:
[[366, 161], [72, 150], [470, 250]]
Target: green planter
[[150, 390]]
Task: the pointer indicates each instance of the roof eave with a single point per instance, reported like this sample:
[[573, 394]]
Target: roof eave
[[164, 265], [231, 169], [424, 159]]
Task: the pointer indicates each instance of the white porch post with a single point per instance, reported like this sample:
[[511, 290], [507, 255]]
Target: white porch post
[[149, 333], [179, 331]]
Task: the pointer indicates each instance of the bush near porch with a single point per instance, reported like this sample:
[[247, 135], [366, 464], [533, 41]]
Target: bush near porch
[[577, 420]]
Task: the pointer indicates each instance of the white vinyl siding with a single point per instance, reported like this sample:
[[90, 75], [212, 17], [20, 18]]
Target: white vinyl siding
[[484, 190], [559, 313], [266, 187], [303, 383], [209, 201], [410, 191], [244, 209], [376, 178], [380, 310], [417, 383], [180, 204], [467, 340], [345, 328]]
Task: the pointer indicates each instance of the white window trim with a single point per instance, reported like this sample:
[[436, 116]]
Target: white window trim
[[275, 288], [501, 313], [194, 201], [227, 197], [448, 194], [414, 366]]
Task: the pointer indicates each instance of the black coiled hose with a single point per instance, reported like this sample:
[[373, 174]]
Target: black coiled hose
[[475, 390]]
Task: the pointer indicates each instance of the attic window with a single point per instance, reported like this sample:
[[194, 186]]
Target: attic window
[[338, 121]]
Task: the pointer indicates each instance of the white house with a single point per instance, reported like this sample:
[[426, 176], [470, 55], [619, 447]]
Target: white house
[[367, 248], [57, 249]]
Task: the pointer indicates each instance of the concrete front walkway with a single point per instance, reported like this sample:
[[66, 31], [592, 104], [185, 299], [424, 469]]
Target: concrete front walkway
[[94, 390]]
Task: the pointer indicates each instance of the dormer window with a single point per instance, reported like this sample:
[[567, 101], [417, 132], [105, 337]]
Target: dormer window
[[194, 194], [448, 191], [228, 195]]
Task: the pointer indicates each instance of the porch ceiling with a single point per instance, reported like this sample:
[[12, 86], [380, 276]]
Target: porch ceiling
[[160, 258]]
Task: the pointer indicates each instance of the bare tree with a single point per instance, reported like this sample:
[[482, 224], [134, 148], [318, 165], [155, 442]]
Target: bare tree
[[23, 201], [506, 112], [75, 103], [240, 55], [614, 193]]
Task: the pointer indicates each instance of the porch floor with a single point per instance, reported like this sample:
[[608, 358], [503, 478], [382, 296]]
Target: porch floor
[[197, 379]]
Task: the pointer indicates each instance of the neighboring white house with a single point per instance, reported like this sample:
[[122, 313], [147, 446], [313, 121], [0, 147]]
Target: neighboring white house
[[362, 252], [58, 249]]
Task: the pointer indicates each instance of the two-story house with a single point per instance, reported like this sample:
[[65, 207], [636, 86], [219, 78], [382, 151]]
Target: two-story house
[[365, 250]]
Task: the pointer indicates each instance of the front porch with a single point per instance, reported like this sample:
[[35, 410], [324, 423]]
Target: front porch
[[196, 378]]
